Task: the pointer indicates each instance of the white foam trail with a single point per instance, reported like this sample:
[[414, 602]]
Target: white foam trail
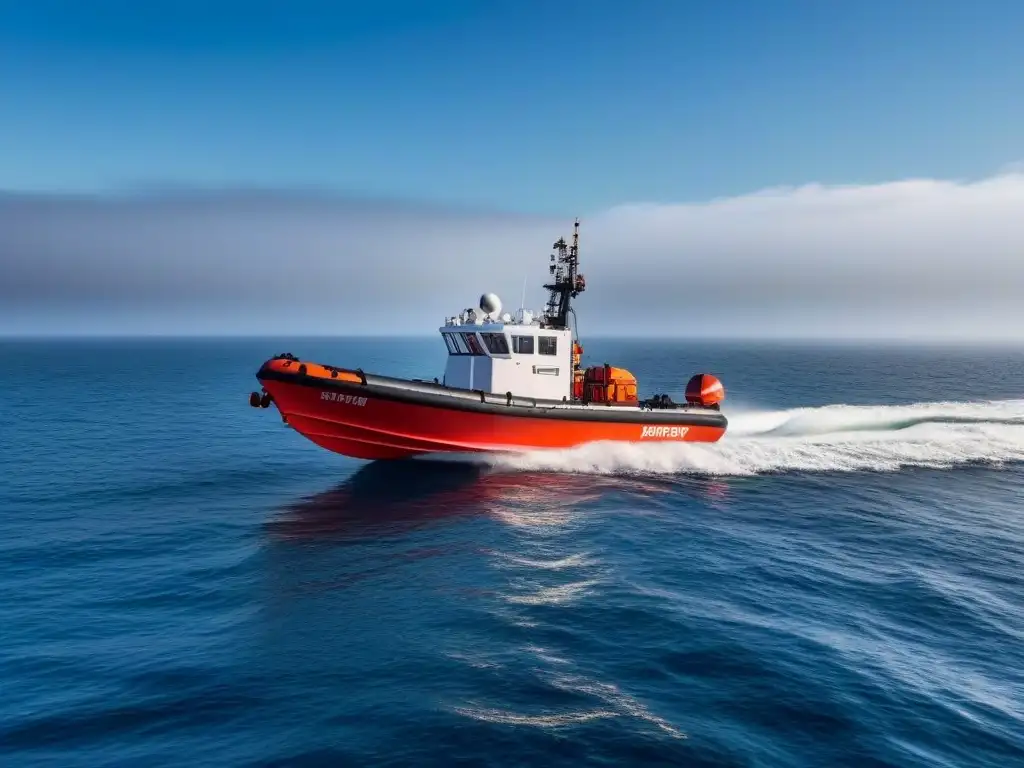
[[505, 717], [545, 655], [618, 699], [557, 595], [535, 518], [570, 561], [835, 438], [621, 704]]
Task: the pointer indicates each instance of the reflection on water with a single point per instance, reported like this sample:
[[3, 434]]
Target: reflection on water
[[380, 498], [384, 498], [490, 563]]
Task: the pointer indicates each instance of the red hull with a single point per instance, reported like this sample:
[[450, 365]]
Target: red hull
[[371, 421]]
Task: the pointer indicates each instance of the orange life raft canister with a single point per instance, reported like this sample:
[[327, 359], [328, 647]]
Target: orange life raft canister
[[605, 384]]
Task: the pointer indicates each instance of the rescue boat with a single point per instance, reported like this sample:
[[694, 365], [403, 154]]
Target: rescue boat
[[510, 384]]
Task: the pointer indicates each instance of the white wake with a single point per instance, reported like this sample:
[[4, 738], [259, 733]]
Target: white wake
[[836, 438]]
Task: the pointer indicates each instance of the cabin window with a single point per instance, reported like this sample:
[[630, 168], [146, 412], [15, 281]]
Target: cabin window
[[474, 344], [522, 345], [460, 343], [453, 348], [547, 345], [496, 343]]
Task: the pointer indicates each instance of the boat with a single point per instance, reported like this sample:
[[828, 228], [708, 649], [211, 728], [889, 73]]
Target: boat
[[510, 384]]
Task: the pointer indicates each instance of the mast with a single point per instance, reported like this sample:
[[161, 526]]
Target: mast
[[566, 281]]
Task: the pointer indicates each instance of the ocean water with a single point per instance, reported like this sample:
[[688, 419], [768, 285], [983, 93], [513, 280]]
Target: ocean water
[[839, 582]]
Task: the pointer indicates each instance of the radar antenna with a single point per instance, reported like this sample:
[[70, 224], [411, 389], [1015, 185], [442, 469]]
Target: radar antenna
[[566, 281]]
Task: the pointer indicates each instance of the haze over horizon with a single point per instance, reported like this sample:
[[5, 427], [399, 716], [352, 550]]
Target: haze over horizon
[[754, 170]]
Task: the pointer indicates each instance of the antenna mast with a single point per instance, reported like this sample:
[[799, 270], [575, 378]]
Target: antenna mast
[[567, 283]]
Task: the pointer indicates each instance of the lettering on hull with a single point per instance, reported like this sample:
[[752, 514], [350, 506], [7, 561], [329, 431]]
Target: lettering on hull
[[677, 433], [346, 399]]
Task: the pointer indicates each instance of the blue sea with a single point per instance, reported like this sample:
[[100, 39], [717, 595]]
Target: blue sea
[[184, 581]]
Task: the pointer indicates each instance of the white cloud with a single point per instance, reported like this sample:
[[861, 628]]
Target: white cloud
[[904, 259], [918, 257]]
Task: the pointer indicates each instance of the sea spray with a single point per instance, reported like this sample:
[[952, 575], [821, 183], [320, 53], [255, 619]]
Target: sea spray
[[835, 438]]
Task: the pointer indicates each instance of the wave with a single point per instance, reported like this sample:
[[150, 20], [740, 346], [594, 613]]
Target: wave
[[834, 438]]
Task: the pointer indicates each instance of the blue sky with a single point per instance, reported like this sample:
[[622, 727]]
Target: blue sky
[[742, 167], [534, 106]]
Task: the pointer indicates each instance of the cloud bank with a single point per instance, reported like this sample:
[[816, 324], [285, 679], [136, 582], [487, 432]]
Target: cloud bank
[[908, 259]]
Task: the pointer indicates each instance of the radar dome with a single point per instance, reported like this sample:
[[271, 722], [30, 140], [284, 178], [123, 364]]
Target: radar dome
[[490, 304]]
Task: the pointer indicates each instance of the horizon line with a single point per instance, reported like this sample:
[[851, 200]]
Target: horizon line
[[701, 339]]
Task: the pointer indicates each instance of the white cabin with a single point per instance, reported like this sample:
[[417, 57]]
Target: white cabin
[[501, 355]]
